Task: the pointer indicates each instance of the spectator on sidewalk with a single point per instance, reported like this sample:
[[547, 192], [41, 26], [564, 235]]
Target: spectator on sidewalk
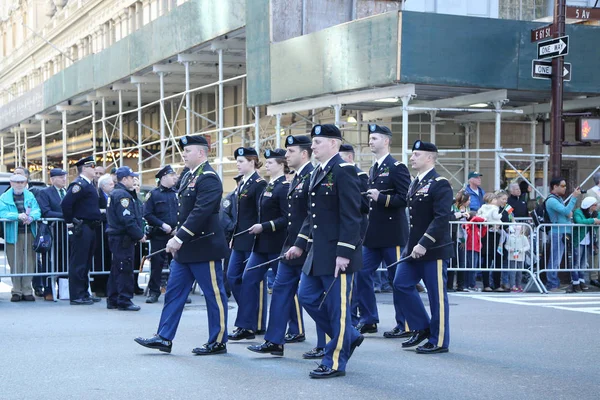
[[102, 256], [582, 241], [460, 212], [19, 205], [516, 245], [474, 190], [517, 202], [491, 213], [594, 192]]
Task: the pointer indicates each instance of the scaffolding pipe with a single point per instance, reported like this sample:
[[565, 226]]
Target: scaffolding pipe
[[473, 110], [545, 178], [120, 128], [161, 76], [244, 111], [64, 141], [44, 159], [139, 128], [533, 138], [432, 115], [188, 117], [405, 100], [103, 132], [256, 129], [497, 144], [466, 152], [2, 151], [25, 146], [220, 139], [478, 146], [337, 108], [93, 130], [277, 131]]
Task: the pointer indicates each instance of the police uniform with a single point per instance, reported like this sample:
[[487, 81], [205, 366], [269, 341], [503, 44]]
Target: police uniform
[[125, 229], [386, 236], [80, 208], [248, 197], [333, 217], [273, 217], [199, 195], [160, 208], [429, 204]]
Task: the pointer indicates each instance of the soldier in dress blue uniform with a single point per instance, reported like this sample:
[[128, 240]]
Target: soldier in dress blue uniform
[[160, 211], [270, 233], [335, 252], [284, 300], [82, 215], [199, 194], [430, 248], [125, 228], [388, 230], [249, 193]]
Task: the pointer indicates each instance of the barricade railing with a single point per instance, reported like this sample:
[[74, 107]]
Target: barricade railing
[[567, 248]]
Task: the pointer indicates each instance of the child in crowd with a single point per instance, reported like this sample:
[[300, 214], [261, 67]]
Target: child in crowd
[[475, 236], [516, 245], [491, 213]]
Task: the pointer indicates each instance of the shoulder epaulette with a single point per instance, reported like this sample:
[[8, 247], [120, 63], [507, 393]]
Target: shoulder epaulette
[[440, 178], [259, 180], [398, 163], [362, 173], [208, 173], [346, 164], [285, 182]]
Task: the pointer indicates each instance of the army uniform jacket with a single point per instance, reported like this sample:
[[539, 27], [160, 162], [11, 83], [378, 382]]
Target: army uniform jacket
[[388, 226], [363, 184], [124, 214], [297, 198], [429, 205], [333, 218], [273, 216], [248, 197], [81, 201], [199, 198]]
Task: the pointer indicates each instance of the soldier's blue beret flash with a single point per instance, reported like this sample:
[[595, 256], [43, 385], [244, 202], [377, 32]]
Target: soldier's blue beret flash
[[166, 170], [326, 130], [190, 140], [277, 153], [245, 152], [347, 148], [301, 140], [85, 161], [424, 146], [384, 130]]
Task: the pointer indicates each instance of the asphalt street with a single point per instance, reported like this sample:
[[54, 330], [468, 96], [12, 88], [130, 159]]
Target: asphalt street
[[502, 346]]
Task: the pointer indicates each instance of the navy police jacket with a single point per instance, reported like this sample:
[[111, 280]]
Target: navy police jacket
[[124, 214], [388, 226], [81, 201], [334, 219], [273, 216], [248, 198], [199, 198], [161, 207], [429, 205]]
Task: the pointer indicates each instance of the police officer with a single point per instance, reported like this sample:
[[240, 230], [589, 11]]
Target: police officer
[[388, 229], [160, 211], [335, 253], [125, 228], [82, 215], [430, 249], [195, 256], [284, 301], [270, 232]]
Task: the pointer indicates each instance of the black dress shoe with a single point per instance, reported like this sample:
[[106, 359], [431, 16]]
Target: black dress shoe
[[138, 291], [241, 334], [324, 371], [15, 297], [210, 348], [28, 297], [267, 348], [429, 348], [317, 352], [39, 292], [111, 306], [416, 338], [155, 342], [367, 328], [357, 342], [397, 333], [260, 332], [130, 307], [295, 337], [153, 298], [81, 302], [94, 299], [595, 282]]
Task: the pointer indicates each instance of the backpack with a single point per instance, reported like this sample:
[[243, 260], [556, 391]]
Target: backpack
[[540, 215], [43, 238]]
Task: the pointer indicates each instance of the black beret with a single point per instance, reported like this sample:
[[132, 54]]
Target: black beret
[[277, 153], [237, 178], [384, 130], [424, 146], [57, 172], [347, 148], [245, 152], [302, 140], [85, 161], [113, 171], [189, 140], [326, 130], [166, 170]]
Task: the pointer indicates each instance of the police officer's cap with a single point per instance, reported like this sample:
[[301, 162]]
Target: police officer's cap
[[190, 140], [326, 130], [166, 170], [86, 161], [301, 140], [424, 146], [347, 148], [245, 152], [384, 130], [57, 172], [124, 172], [277, 153]]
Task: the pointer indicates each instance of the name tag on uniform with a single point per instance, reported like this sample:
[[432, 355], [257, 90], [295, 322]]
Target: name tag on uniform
[[424, 189], [268, 194]]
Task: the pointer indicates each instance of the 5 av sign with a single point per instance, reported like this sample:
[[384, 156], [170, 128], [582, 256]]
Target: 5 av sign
[[583, 13], [552, 48]]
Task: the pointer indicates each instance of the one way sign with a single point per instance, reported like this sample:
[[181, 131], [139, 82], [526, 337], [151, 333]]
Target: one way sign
[[541, 69], [556, 47]]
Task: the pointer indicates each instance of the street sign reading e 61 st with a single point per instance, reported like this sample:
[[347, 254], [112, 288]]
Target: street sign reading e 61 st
[[552, 48], [541, 69]]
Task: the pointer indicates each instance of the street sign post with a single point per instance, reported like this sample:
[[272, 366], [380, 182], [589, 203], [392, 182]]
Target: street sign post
[[583, 13], [541, 69], [552, 48], [541, 33]]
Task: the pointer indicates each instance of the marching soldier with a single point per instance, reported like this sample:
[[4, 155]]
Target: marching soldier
[[335, 253], [430, 248], [125, 228], [284, 300], [388, 230], [195, 255], [82, 215], [160, 210]]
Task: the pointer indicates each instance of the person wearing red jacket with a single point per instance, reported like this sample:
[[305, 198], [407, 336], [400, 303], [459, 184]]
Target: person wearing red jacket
[[475, 232]]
